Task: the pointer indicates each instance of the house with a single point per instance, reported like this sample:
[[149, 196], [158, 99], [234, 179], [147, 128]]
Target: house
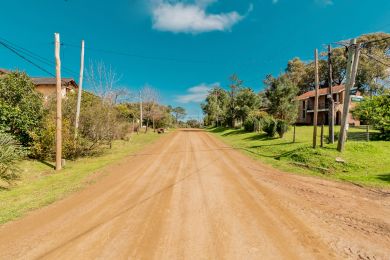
[[47, 86], [4, 72], [306, 106]]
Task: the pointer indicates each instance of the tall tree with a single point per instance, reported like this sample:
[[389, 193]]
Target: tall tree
[[179, 113], [281, 93], [215, 106], [247, 101]]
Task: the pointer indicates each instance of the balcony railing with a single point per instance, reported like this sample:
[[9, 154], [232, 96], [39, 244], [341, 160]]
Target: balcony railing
[[320, 106]]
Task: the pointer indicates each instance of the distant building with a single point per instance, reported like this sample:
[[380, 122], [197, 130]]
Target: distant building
[[47, 86], [306, 106]]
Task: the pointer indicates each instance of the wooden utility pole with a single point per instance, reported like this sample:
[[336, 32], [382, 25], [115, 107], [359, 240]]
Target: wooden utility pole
[[76, 127], [330, 96], [352, 65], [59, 103], [317, 85], [140, 109]]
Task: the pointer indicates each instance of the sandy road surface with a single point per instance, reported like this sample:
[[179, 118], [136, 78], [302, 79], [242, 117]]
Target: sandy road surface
[[189, 196]]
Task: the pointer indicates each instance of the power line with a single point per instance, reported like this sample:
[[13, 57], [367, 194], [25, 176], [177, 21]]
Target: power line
[[120, 53], [26, 59], [378, 40], [376, 59], [38, 57]]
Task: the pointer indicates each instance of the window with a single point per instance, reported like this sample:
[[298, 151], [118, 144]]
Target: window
[[303, 109]]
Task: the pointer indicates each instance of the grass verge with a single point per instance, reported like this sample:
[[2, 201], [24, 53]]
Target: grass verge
[[366, 163], [41, 185]]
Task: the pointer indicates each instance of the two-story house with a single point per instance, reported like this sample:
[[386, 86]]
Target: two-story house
[[306, 106]]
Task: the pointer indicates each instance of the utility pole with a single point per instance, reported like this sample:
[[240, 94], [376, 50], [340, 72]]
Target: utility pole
[[352, 65], [59, 104], [140, 109], [330, 96], [76, 127], [317, 84]]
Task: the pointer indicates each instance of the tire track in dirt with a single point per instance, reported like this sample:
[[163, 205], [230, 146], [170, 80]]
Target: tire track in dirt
[[189, 196]]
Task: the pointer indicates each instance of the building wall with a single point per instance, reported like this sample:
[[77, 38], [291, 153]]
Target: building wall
[[49, 91], [308, 105]]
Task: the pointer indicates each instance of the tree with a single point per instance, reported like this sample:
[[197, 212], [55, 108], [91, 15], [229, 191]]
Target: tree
[[233, 107], [281, 93], [179, 113], [376, 111], [215, 106], [246, 102], [150, 100], [21, 107]]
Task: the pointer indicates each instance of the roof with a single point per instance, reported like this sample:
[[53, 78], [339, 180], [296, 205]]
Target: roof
[[53, 81], [321, 92], [4, 71]]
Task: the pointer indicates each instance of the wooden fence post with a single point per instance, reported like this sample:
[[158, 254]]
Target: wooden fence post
[[294, 134], [322, 135], [368, 133]]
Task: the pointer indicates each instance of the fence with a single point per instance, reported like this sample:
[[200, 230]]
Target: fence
[[359, 133]]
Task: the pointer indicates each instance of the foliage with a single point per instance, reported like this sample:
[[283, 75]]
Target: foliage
[[179, 113], [215, 106], [21, 107], [192, 123], [371, 77], [376, 111], [250, 123], [281, 93], [246, 102], [270, 126], [10, 153], [100, 123], [281, 127]]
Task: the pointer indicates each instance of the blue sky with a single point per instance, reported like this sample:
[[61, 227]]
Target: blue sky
[[182, 48]]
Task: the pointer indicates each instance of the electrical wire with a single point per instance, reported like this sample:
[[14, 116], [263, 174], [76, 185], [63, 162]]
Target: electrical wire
[[376, 59], [26, 59], [120, 53], [40, 58]]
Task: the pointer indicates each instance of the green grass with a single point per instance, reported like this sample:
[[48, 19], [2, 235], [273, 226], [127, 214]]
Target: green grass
[[41, 185], [366, 163]]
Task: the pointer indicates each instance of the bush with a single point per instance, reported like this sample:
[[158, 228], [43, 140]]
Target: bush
[[270, 126], [376, 111], [21, 107], [282, 127], [100, 124], [10, 153], [250, 124]]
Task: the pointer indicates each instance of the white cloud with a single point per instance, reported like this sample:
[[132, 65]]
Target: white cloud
[[192, 17], [197, 93]]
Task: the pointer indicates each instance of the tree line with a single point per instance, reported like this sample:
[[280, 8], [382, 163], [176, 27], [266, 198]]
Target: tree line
[[274, 108]]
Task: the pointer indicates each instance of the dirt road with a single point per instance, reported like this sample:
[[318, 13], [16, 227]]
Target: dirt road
[[189, 196]]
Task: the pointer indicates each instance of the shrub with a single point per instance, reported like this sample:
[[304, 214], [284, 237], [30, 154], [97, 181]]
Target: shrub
[[99, 125], [282, 127], [21, 107], [270, 126], [250, 124], [376, 111], [10, 153]]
